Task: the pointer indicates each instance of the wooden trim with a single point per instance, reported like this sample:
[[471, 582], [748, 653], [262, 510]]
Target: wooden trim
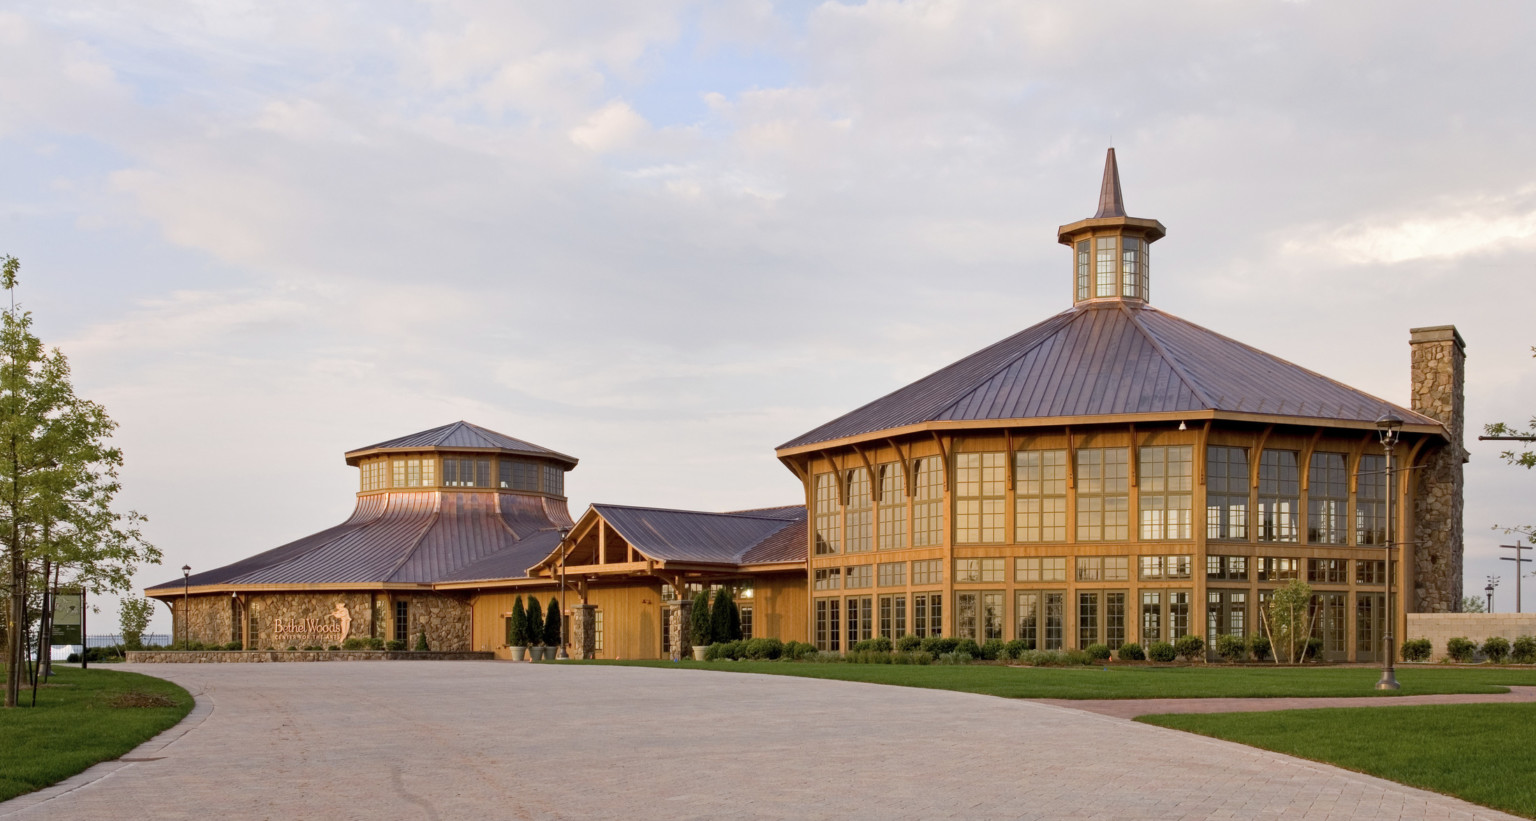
[[1354, 464], [1071, 460], [1203, 443], [908, 470], [1135, 459], [1008, 461], [944, 457], [1259, 440], [874, 477], [1305, 467], [842, 481]]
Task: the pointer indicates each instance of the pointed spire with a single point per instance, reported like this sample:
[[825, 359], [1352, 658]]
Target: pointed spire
[[1111, 201]]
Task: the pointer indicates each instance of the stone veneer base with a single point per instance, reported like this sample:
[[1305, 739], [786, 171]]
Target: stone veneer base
[[259, 656]]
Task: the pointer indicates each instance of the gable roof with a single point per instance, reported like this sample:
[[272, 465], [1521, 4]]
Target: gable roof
[[699, 536], [463, 435], [1111, 358]]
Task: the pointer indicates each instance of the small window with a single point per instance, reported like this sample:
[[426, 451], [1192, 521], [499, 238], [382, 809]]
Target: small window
[[554, 480], [893, 574], [860, 576], [402, 620], [827, 578], [928, 571]]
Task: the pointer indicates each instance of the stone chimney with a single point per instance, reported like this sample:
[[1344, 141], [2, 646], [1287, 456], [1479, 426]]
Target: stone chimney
[[1439, 380]]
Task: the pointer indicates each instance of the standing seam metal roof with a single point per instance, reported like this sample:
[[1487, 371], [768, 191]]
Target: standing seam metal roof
[[745, 537], [1111, 358], [462, 434]]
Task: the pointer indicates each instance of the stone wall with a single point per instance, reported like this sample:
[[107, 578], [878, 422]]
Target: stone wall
[[678, 627], [324, 619], [583, 634], [261, 656], [1439, 378], [1439, 627]]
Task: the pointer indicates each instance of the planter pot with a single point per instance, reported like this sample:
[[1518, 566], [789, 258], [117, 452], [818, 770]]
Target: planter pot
[[699, 650], [547, 653], [518, 653]]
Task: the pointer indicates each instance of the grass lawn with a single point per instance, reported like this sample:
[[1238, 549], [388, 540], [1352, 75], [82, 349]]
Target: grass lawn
[[1130, 681], [82, 717], [1483, 753]]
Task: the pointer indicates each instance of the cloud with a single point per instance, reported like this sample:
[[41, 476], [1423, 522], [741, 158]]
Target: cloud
[[615, 125]]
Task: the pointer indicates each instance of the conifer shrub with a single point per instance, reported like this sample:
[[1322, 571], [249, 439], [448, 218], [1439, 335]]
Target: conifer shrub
[[1496, 648], [734, 621], [909, 643], [1523, 650], [1190, 648], [1161, 651], [535, 622], [720, 616], [552, 623], [421, 642], [698, 621], [1417, 650], [1097, 652], [1131, 651], [517, 626], [1231, 648]]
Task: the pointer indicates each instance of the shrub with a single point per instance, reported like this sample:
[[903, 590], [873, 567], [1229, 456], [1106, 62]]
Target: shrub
[[1076, 657], [870, 657], [1043, 658], [517, 626], [1161, 651], [1014, 649], [720, 616], [911, 657], [1417, 649], [735, 620], [313, 648], [1131, 651], [796, 650], [1097, 652], [726, 651], [133, 617], [235, 645], [1496, 649], [1258, 643], [333, 647], [992, 649], [375, 644], [938, 645], [878, 644], [395, 645], [1460, 649], [535, 623], [968, 647], [291, 648], [909, 643], [1231, 648], [354, 643], [552, 623], [1312, 649], [698, 620], [763, 649], [824, 657], [1523, 651], [1189, 648], [421, 642], [957, 657]]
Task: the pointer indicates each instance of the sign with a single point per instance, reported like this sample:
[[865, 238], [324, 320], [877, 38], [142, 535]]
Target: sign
[[336, 627], [68, 605]]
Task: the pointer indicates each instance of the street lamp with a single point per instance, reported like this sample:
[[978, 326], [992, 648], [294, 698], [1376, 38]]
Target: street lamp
[[186, 571], [565, 627], [1388, 427], [1493, 582]]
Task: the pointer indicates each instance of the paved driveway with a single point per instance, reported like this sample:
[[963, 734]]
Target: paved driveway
[[491, 740]]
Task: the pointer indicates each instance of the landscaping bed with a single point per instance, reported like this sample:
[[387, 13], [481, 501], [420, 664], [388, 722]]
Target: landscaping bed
[[267, 656]]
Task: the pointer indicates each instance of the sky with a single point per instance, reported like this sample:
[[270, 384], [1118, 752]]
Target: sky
[[666, 237]]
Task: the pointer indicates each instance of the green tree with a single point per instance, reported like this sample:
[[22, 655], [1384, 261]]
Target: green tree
[[1288, 621], [1471, 604], [552, 624], [698, 620], [720, 616], [133, 617], [535, 622], [517, 628], [58, 477], [735, 622]]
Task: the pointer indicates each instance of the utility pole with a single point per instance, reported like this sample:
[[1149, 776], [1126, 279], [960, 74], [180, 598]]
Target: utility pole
[[1518, 560]]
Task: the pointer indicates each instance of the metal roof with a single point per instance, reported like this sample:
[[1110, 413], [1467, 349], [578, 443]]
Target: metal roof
[[416, 537], [1111, 358], [464, 435], [1111, 201], [746, 537]]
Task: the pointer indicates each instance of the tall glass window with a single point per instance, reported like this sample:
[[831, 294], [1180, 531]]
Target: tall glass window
[[860, 512], [1103, 497], [1108, 266], [1279, 495], [554, 480], [1151, 616], [1040, 486], [515, 474], [1371, 501], [979, 500], [1327, 499], [893, 507], [1226, 614], [1226, 493], [1082, 270], [828, 522], [1132, 256], [928, 509], [1165, 479], [1087, 619], [459, 472]]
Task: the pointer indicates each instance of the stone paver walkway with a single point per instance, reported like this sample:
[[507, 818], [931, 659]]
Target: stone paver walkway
[[488, 740], [1133, 707]]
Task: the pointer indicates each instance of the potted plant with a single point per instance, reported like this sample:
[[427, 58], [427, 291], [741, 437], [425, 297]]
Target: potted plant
[[535, 630], [552, 628], [517, 630], [699, 631]]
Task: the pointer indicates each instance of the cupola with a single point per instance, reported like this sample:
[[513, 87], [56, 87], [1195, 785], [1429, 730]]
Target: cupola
[[1110, 249]]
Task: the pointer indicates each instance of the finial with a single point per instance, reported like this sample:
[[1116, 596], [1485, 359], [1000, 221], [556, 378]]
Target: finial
[[1111, 201]]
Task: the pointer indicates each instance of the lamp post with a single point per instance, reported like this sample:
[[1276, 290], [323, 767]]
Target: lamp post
[[186, 571], [1493, 582], [1387, 427], [565, 628]]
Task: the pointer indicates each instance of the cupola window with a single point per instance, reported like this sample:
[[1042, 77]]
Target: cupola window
[[1107, 266]]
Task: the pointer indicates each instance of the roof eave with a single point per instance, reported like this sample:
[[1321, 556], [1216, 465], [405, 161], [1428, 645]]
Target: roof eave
[[1069, 233], [354, 456]]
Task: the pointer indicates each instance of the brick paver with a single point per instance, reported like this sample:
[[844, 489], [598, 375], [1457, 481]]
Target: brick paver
[[467, 740]]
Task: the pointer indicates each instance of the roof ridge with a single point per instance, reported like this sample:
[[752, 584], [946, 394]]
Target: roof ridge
[[1302, 368], [733, 515], [1178, 367]]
